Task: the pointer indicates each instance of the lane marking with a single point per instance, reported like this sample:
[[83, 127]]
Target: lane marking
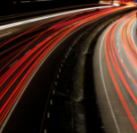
[[61, 65], [45, 130], [48, 115], [53, 92], [133, 25], [57, 76], [55, 83], [21, 94], [59, 70], [104, 86], [51, 102]]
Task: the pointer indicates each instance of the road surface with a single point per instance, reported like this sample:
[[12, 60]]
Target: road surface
[[116, 71]]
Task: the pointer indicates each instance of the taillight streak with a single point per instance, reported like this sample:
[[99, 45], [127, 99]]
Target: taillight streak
[[58, 37], [110, 54], [20, 62]]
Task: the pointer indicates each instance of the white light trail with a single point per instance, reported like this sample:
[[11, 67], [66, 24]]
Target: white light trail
[[3, 27]]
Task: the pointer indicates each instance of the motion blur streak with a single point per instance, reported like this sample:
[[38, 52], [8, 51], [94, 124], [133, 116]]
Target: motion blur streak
[[49, 16], [125, 72], [14, 79]]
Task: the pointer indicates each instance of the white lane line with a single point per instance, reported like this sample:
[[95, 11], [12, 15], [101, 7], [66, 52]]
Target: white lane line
[[61, 65], [51, 102], [66, 56], [45, 131], [53, 92], [56, 83], [59, 70], [133, 25], [13, 63], [5, 34], [104, 86], [21, 94], [48, 115], [48, 16], [30, 79], [57, 76]]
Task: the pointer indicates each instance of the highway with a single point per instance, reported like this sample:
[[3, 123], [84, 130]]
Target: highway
[[116, 53], [32, 49]]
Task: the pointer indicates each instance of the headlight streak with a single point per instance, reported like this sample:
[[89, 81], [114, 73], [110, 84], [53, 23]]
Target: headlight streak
[[33, 58], [50, 16], [52, 28], [93, 17], [68, 16], [30, 30], [9, 101], [18, 74]]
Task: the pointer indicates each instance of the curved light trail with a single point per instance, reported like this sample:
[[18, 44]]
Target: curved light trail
[[121, 59], [30, 53]]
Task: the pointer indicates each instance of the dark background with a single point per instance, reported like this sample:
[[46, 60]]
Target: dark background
[[9, 7]]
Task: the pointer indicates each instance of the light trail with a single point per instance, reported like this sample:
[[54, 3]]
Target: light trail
[[49, 16], [15, 79], [113, 59]]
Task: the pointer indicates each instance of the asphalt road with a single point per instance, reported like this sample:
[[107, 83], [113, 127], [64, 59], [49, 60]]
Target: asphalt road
[[28, 67], [134, 32], [116, 77], [22, 98]]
